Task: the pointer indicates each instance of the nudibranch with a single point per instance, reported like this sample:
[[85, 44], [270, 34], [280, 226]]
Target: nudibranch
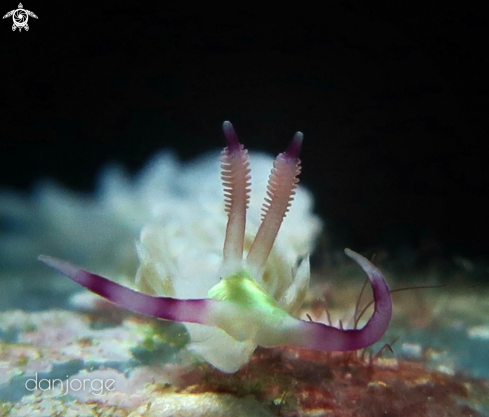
[[245, 308]]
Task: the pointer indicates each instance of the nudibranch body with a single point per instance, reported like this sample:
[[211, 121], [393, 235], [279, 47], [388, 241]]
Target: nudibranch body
[[254, 298]]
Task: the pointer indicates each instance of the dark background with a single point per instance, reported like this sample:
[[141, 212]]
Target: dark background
[[392, 99]]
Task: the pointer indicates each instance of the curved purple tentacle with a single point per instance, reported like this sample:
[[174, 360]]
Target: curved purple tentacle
[[190, 311], [292, 332], [322, 337]]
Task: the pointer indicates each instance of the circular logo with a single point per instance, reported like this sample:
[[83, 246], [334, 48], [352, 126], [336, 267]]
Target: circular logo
[[20, 18]]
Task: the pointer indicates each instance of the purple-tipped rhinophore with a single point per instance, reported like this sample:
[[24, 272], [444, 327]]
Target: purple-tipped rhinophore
[[282, 183], [294, 149], [235, 176], [231, 137]]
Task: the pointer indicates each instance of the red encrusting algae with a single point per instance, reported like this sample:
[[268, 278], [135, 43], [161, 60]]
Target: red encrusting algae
[[299, 382]]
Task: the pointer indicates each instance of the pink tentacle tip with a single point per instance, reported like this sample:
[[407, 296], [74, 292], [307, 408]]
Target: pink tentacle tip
[[323, 337], [294, 149], [231, 137]]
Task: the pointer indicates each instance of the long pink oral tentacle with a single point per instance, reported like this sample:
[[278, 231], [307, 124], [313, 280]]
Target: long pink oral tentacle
[[191, 311], [297, 333], [321, 337]]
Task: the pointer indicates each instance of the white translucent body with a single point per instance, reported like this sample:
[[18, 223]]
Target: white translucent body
[[180, 253]]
